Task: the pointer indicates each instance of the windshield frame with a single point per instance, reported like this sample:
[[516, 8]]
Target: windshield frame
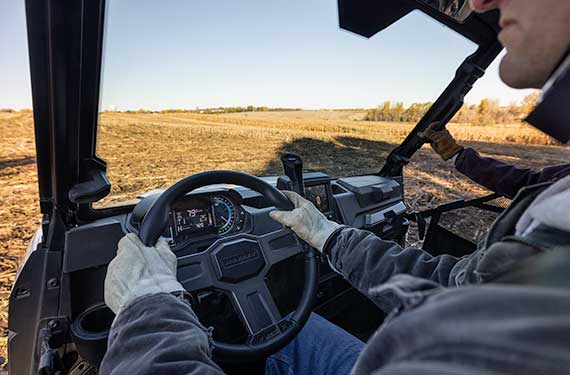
[[86, 171]]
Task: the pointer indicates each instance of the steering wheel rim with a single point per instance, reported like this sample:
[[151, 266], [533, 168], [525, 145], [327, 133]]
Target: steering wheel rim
[[279, 333]]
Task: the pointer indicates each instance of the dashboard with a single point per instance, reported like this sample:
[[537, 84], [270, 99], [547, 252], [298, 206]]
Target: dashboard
[[202, 217], [199, 219]]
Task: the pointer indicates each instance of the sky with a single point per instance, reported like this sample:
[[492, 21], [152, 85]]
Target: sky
[[279, 53]]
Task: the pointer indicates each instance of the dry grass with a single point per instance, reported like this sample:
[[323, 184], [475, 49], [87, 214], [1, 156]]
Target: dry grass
[[19, 211], [165, 147], [147, 151]]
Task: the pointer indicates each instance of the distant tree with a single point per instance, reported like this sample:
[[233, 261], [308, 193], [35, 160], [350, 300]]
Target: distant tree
[[528, 103], [416, 111], [386, 112], [487, 111], [484, 107], [398, 111], [514, 111]]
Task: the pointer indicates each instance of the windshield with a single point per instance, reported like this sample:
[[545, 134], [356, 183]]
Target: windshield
[[190, 86]]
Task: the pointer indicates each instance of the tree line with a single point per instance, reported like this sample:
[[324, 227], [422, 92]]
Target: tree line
[[389, 111], [487, 112], [208, 111]]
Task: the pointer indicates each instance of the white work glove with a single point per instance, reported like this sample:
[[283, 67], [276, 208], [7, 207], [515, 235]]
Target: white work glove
[[138, 270], [306, 221]]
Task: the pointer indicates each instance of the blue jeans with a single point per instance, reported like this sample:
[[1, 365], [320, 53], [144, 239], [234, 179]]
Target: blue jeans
[[321, 348]]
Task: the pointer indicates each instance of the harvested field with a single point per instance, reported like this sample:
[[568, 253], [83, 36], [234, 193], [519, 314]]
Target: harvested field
[[147, 151], [19, 212]]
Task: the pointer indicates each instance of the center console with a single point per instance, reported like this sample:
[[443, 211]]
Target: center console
[[373, 203]]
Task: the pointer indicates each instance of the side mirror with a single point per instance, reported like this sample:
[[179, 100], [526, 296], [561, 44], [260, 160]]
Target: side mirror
[[459, 10]]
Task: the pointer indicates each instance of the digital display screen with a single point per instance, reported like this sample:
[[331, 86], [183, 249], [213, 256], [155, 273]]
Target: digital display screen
[[318, 194], [196, 217]]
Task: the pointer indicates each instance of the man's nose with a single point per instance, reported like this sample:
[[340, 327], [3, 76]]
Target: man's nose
[[482, 6]]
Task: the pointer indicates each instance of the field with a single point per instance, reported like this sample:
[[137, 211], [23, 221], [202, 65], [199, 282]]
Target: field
[[147, 151]]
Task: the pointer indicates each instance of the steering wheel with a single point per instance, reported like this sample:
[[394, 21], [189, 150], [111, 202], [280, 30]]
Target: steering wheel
[[237, 265]]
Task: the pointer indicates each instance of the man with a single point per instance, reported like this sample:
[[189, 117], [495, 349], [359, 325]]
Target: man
[[499, 177], [475, 329]]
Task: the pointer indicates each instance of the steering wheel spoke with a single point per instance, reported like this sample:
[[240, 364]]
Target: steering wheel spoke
[[280, 245], [194, 272], [255, 305]]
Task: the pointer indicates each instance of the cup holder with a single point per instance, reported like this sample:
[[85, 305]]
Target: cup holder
[[90, 331], [96, 320]]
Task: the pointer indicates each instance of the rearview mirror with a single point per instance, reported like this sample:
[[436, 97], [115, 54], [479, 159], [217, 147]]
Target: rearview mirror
[[459, 10]]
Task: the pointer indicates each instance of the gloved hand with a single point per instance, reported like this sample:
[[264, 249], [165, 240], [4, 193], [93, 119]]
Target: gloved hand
[[441, 141], [306, 221], [138, 270]]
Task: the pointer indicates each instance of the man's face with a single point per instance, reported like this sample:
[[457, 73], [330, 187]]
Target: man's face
[[535, 33]]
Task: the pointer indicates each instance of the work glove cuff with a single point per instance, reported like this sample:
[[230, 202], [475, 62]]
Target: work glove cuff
[[450, 152], [328, 227], [156, 284]]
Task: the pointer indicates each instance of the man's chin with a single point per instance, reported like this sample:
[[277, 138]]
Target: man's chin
[[517, 75]]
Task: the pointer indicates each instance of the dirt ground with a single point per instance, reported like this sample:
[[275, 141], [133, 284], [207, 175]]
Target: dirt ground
[[147, 151], [19, 211]]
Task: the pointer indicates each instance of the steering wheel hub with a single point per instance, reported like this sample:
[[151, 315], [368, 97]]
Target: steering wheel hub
[[238, 260]]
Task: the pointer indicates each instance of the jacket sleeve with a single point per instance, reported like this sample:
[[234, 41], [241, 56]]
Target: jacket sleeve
[[367, 261], [485, 329], [158, 334], [503, 178]]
